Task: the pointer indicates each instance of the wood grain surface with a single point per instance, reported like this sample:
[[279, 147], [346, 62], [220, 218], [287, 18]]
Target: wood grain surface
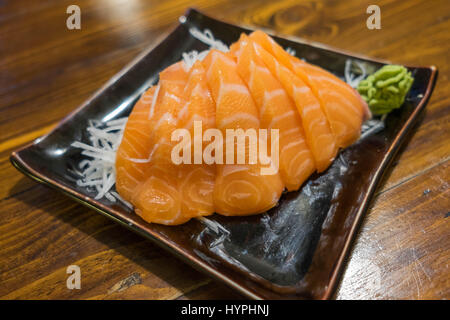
[[403, 248]]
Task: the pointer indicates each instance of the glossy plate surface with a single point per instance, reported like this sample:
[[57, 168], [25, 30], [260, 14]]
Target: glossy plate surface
[[296, 250]]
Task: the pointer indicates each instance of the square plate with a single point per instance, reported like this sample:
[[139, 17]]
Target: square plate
[[297, 249]]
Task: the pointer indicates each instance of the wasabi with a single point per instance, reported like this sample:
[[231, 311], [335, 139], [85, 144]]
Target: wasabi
[[386, 89]]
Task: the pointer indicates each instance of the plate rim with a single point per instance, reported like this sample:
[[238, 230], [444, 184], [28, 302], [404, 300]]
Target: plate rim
[[21, 165]]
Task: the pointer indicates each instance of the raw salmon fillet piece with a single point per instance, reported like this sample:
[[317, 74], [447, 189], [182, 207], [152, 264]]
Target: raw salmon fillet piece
[[135, 144], [240, 189], [276, 111], [319, 137], [196, 180], [156, 198], [343, 106]]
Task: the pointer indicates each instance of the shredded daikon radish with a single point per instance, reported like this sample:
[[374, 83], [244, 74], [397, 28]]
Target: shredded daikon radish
[[98, 173], [351, 78], [115, 194], [291, 51], [214, 226], [191, 57], [207, 38], [371, 126]]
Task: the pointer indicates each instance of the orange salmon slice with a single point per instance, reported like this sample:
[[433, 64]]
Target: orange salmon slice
[[240, 189], [157, 198], [196, 180], [343, 106], [276, 111], [135, 144], [319, 137]]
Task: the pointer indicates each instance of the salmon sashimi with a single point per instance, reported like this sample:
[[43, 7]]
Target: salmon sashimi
[[319, 137], [228, 134], [157, 198], [343, 106], [345, 109], [196, 179], [135, 144], [133, 154], [240, 189], [276, 111]]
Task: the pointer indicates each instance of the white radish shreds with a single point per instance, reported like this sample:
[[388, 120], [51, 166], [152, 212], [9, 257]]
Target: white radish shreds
[[372, 126], [208, 38], [291, 51], [191, 57], [98, 173], [115, 194], [350, 77]]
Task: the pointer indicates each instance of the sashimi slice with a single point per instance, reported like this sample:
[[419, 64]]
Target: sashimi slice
[[135, 144], [276, 111], [343, 106], [158, 198], [196, 180], [319, 137], [345, 109], [135, 150], [240, 189]]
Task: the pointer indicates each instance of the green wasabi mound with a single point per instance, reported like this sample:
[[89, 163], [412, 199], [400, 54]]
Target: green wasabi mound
[[386, 89]]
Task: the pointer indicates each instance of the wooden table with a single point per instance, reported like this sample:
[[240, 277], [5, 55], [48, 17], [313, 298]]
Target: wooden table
[[46, 70]]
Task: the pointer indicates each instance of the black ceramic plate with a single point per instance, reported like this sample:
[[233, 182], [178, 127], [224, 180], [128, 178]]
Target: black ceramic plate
[[295, 250]]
